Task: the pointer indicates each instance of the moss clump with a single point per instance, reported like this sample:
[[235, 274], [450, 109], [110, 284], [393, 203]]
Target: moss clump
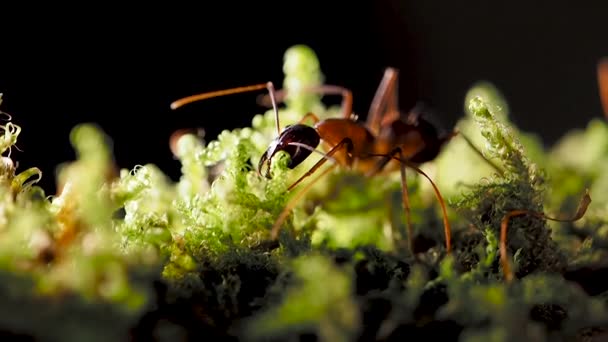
[[61, 258], [128, 254], [520, 186]]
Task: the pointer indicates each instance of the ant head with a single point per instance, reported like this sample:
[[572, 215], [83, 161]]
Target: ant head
[[299, 141]]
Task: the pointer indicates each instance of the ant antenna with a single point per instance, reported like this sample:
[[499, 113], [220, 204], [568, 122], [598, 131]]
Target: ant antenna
[[602, 79], [203, 96], [504, 260]]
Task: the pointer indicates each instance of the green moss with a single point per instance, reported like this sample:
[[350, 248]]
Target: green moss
[[309, 305], [65, 252], [521, 186], [130, 254]]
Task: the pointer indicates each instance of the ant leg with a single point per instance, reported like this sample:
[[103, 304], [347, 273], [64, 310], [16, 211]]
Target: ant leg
[[446, 222], [504, 224], [203, 96], [404, 193], [405, 197], [478, 152], [406, 206], [346, 142], [384, 106], [310, 116], [347, 97], [602, 79], [292, 203]]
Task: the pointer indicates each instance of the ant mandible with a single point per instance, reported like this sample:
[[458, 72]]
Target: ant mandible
[[384, 142]]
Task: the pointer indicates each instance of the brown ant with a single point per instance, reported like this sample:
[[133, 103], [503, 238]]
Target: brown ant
[[370, 147], [386, 141]]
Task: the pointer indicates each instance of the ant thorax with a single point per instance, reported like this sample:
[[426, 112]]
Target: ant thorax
[[335, 130]]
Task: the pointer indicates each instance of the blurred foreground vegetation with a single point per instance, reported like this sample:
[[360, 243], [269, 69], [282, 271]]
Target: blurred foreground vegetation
[[128, 254]]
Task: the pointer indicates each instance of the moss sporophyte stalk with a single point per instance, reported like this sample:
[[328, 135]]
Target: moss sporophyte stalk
[[130, 254]]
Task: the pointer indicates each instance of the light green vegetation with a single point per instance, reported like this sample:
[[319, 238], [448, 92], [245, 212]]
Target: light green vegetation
[[85, 264]]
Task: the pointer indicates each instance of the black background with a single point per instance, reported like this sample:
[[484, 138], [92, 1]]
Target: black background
[[121, 66]]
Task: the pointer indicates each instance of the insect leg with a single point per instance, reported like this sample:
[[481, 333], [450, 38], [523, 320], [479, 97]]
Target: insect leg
[[385, 104], [446, 222], [310, 116], [479, 153], [602, 79], [345, 143], [405, 197], [292, 203]]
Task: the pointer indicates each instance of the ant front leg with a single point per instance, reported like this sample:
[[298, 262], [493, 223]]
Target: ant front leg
[[345, 143]]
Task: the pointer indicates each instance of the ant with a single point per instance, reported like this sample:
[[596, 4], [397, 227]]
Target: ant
[[384, 142], [370, 147]]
